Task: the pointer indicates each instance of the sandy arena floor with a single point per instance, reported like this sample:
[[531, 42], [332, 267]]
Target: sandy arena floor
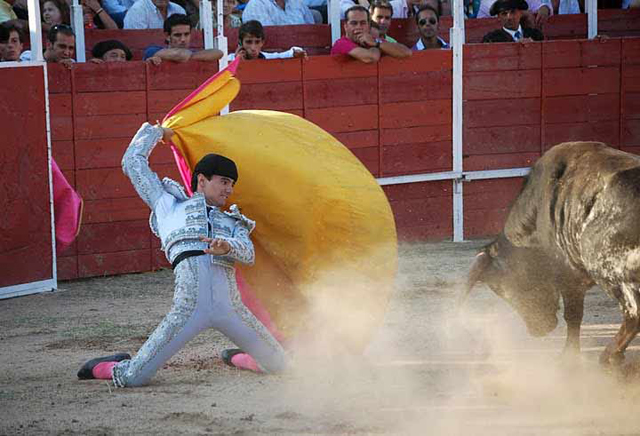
[[428, 371]]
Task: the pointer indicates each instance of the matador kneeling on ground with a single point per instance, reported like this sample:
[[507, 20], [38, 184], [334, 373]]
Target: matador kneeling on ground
[[202, 243]]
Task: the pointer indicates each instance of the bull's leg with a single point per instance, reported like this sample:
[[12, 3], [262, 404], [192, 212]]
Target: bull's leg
[[614, 353], [629, 298], [573, 312]]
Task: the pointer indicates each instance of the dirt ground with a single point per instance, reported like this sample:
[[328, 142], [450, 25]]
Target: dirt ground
[[429, 370]]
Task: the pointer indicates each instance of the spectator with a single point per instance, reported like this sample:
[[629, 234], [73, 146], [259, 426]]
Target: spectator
[[230, 20], [110, 50], [251, 38], [95, 16], [150, 14], [13, 42], [4, 41], [177, 29], [381, 12], [510, 14], [6, 12], [428, 22], [360, 44], [536, 14], [55, 12], [409, 8], [278, 12], [61, 45], [117, 9], [568, 6], [319, 10]]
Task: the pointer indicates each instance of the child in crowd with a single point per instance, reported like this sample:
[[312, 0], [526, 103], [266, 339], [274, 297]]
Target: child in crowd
[[251, 39]]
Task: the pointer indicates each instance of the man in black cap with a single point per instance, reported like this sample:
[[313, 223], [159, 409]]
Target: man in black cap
[[510, 14], [110, 50], [202, 242]]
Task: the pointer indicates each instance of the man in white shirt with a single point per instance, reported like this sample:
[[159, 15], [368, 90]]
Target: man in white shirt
[[150, 14], [277, 12], [251, 39]]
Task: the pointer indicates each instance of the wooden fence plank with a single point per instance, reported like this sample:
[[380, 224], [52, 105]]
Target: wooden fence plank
[[413, 114], [498, 161], [604, 131], [270, 71], [62, 152], [413, 135], [493, 113], [569, 54], [340, 92], [109, 76], [416, 158], [103, 183], [410, 86], [273, 96], [114, 209], [503, 139], [345, 119], [502, 57], [331, 67], [108, 126], [102, 264], [487, 85], [113, 103], [630, 133], [114, 236], [581, 108], [578, 81]]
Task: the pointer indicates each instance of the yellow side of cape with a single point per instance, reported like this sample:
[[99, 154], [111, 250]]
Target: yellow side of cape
[[326, 248]]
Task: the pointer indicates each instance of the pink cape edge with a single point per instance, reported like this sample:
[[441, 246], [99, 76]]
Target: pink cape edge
[[67, 209]]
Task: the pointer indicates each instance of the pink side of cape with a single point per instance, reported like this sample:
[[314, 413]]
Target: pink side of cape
[[67, 207]]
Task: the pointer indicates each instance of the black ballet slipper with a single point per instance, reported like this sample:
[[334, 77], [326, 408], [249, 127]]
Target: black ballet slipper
[[86, 372]]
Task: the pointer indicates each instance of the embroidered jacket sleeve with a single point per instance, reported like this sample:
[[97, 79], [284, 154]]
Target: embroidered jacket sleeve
[[135, 164], [241, 245]]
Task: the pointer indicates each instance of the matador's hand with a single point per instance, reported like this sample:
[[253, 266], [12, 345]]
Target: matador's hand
[[217, 247]]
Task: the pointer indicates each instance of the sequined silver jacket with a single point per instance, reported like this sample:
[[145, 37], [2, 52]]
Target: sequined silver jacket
[[180, 221]]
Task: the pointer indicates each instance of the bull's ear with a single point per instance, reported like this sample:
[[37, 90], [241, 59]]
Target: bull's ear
[[480, 265]]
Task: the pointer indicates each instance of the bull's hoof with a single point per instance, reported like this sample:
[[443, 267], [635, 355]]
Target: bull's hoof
[[611, 359], [569, 357]]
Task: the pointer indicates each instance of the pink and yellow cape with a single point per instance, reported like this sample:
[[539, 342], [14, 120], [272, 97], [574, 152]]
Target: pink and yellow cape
[[326, 248]]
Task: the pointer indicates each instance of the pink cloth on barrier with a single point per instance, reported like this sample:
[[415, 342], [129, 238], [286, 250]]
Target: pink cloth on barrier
[[67, 209]]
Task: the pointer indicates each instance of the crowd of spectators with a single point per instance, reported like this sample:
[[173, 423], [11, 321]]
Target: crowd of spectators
[[366, 25]]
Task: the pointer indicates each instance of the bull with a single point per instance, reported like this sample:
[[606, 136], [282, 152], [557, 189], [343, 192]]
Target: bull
[[575, 224]]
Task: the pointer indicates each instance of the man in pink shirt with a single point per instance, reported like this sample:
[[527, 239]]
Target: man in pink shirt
[[360, 44]]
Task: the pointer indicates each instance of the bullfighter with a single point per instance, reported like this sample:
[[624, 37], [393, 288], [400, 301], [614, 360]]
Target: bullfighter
[[202, 242]]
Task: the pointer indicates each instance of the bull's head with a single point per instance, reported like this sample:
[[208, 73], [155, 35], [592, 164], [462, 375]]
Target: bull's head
[[521, 276]]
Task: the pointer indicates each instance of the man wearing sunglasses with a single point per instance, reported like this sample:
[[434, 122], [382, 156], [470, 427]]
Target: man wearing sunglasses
[[428, 22], [510, 14]]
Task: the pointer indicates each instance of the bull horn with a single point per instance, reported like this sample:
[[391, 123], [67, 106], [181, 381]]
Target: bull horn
[[477, 269]]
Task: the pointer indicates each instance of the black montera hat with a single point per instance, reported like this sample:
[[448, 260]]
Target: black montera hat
[[214, 164], [104, 46], [507, 5]]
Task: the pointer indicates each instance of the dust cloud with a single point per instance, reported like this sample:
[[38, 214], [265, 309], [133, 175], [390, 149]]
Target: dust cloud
[[433, 368]]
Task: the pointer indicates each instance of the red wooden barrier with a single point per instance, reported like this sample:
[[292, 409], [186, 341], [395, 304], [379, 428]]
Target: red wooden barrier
[[395, 116], [26, 253]]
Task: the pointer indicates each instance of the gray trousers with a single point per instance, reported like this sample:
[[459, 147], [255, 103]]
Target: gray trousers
[[206, 295]]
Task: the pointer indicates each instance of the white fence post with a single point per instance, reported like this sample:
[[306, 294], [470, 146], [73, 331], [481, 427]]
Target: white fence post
[[77, 23], [334, 20], [592, 18], [35, 30], [456, 37]]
